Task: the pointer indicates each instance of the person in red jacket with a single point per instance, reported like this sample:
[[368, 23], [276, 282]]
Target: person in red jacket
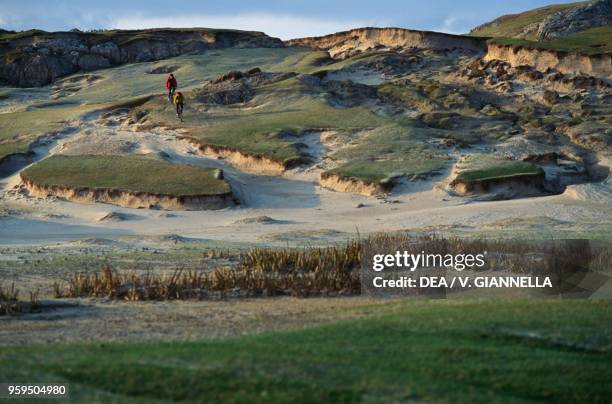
[[171, 85]]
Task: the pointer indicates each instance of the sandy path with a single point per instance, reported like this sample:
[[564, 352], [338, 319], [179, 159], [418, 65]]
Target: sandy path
[[294, 199]]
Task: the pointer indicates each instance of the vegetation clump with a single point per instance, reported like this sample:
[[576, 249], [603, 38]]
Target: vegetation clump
[[506, 170], [261, 272], [10, 304], [136, 173]]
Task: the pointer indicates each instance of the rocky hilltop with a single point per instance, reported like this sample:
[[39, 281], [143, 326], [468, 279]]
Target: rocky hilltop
[[347, 43], [36, 58], [550, 22]]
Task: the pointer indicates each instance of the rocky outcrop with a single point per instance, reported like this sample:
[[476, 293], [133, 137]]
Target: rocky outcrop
[[347, 43], [556, 20], [543, 59], [236, 87], [37, 58], [129, 199], [561, 22], [569, 21]]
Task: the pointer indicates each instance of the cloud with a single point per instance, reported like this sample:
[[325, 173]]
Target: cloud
[[455, 25], [282, 26]]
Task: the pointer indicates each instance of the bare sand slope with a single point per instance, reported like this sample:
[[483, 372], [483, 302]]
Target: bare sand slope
[[295, 200]]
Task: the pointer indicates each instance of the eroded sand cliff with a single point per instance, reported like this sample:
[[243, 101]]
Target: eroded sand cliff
[[353, 185], [543, 59], [129, 199], [246, 162], [345, 43]]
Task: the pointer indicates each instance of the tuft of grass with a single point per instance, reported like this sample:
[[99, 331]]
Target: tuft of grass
[[11, 305], [136, 173]]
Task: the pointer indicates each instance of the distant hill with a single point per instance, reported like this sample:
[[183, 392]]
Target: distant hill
[[36, 58], [549, 22]]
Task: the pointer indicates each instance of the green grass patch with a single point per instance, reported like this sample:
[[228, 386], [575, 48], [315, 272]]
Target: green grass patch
[[303, 60], [389, 151], [501, 170], [129, 173], [590, 42], [428, 351]]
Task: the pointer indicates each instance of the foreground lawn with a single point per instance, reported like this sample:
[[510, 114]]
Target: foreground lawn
[[135, 173], [468, 351]]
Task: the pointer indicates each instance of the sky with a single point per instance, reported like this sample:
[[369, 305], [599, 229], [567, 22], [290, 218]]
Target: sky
[[284, 19]]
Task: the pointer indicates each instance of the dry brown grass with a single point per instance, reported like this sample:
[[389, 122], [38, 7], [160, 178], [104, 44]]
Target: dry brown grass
[[260, 272], [11, 305], [328, 271]]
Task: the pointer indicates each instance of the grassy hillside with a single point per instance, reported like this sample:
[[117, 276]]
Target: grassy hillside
[[51, 108], [279, 107], [130, 173], [290, 105], [373, 139], [513, 24], [425, 351]]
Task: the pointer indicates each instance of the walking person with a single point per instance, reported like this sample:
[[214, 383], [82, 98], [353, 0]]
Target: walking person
[[179, 101], [171, 85]]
